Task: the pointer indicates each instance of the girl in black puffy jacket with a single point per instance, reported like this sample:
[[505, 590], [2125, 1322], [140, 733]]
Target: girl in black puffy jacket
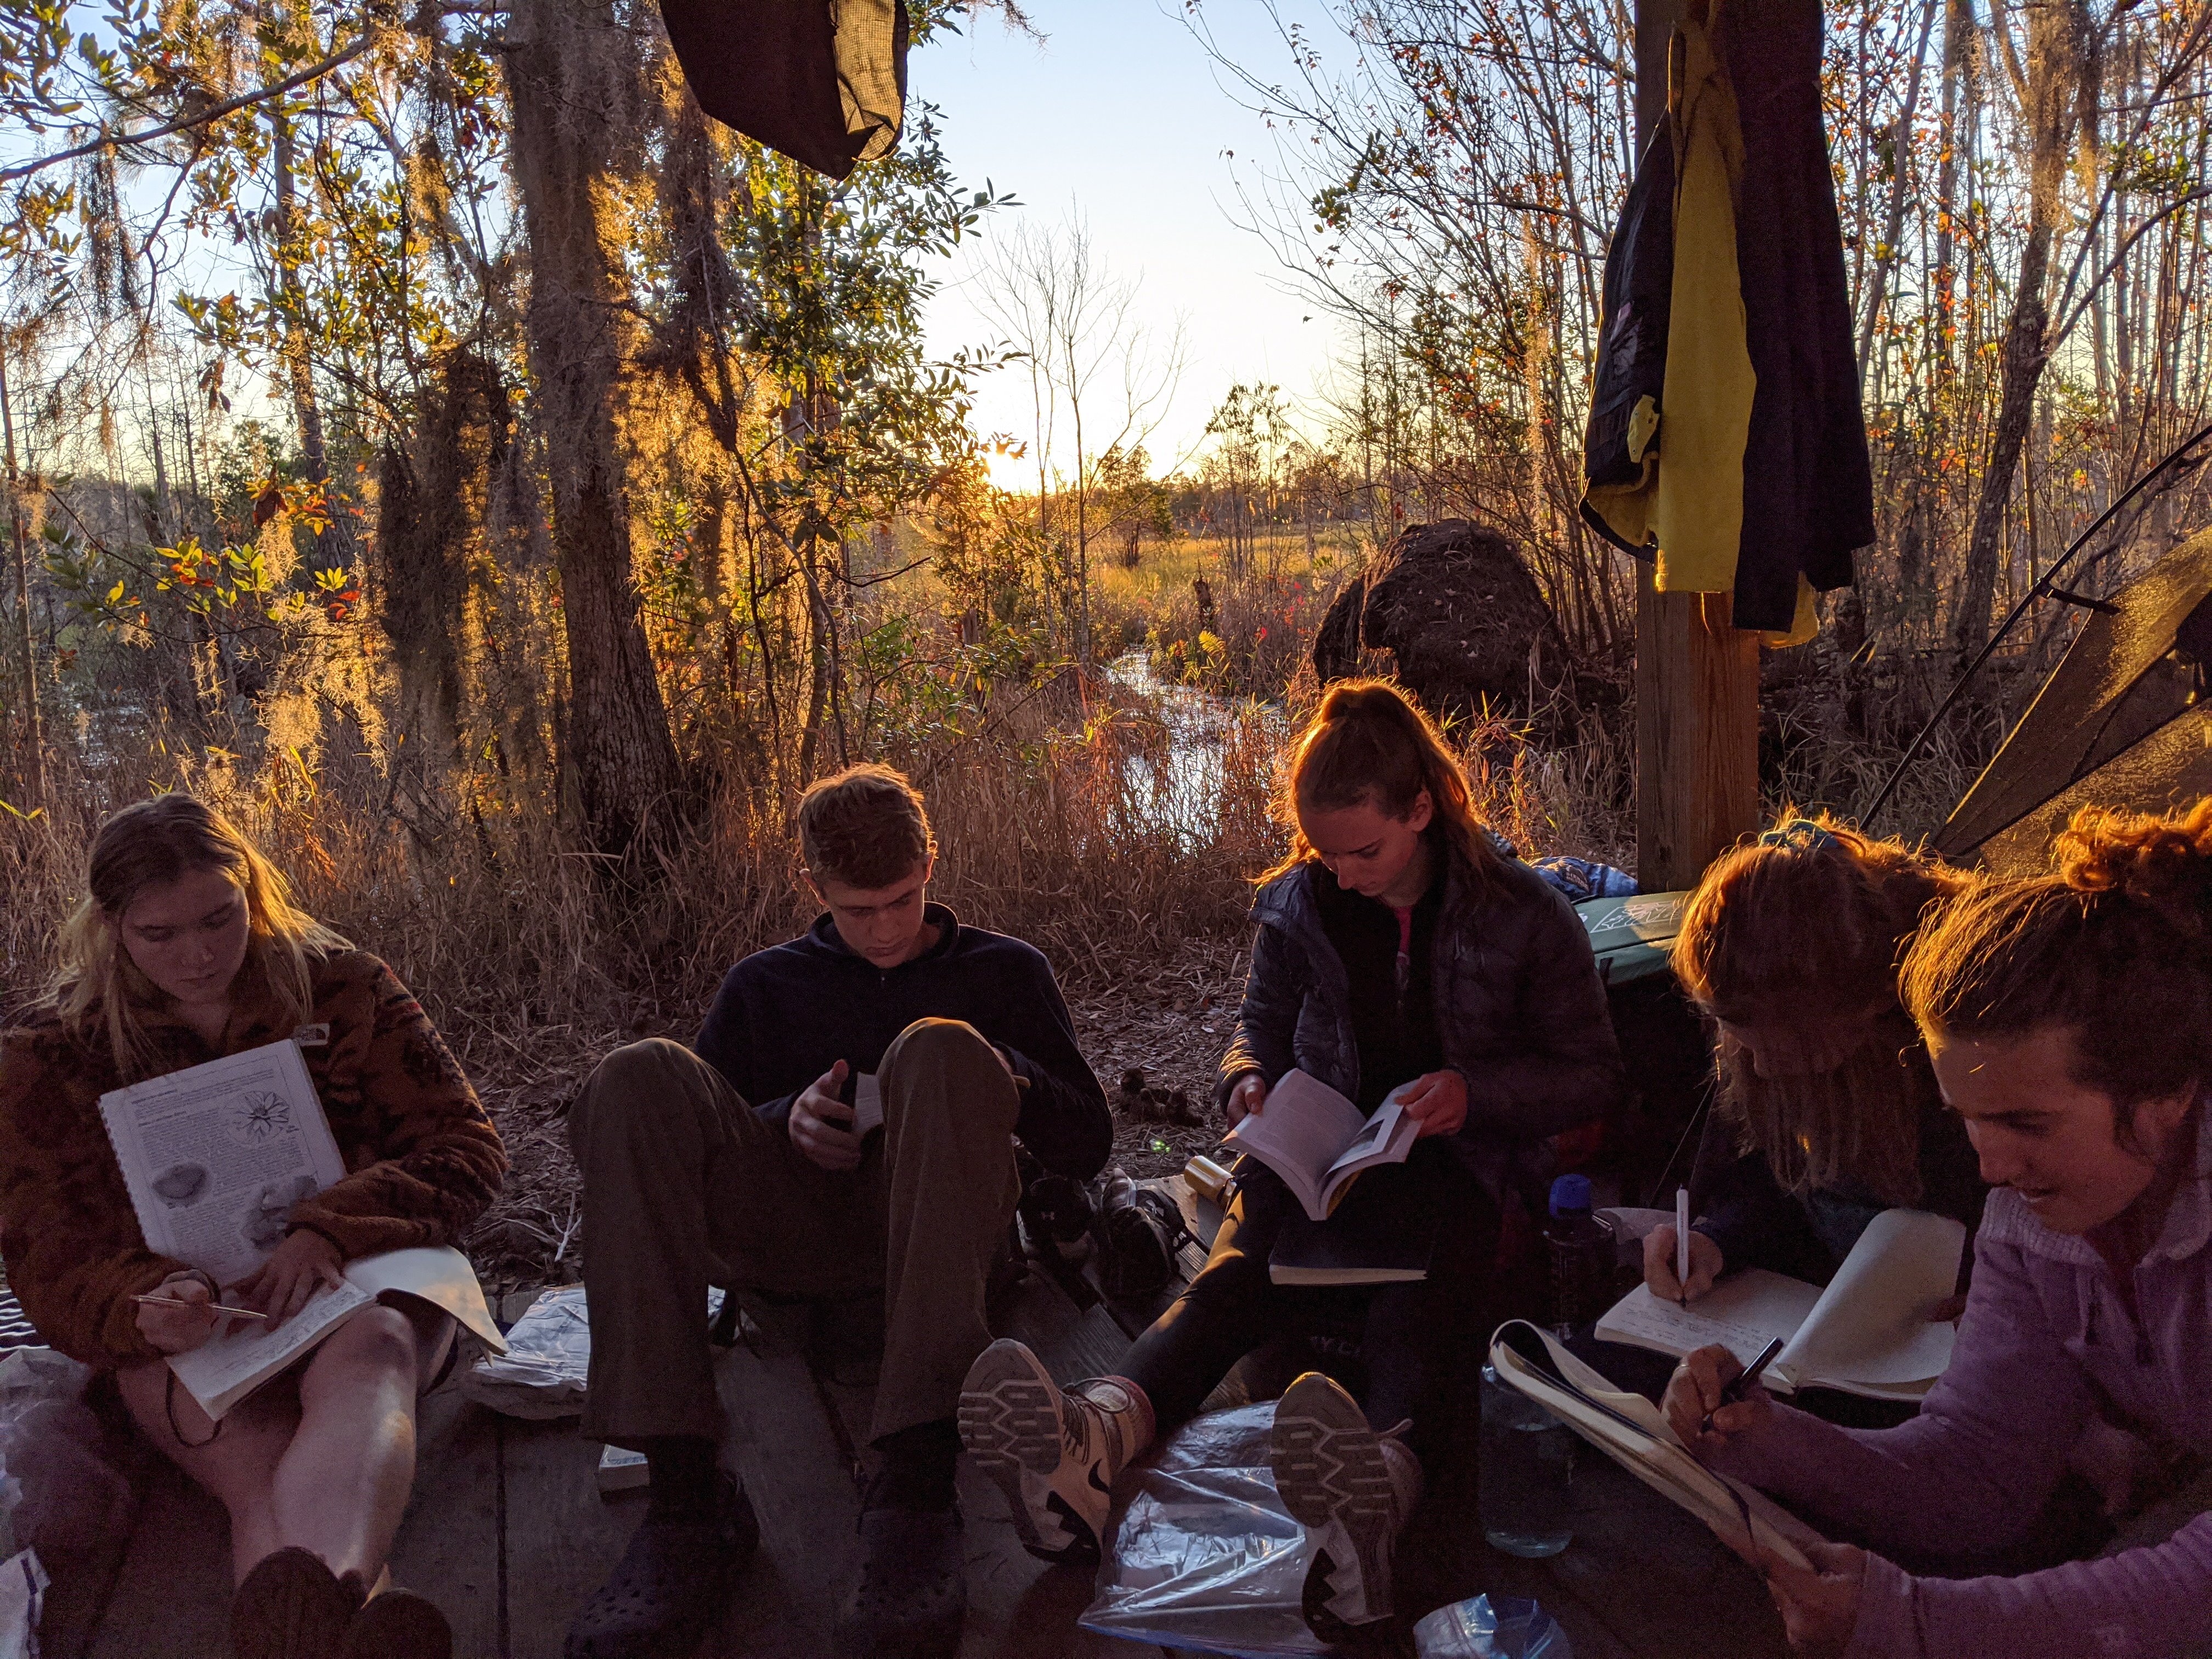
[[1396, 949]]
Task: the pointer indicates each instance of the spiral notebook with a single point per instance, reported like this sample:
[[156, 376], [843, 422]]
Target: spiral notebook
[[214, 1157]]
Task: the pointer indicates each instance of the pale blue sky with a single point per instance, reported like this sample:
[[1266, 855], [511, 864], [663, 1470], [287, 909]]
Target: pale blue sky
[[1121, 115]]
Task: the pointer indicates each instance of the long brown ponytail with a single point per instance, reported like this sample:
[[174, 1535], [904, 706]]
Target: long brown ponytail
[[1371, 743]]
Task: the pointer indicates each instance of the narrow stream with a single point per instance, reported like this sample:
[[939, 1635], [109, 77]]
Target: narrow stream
[[1181, 785]]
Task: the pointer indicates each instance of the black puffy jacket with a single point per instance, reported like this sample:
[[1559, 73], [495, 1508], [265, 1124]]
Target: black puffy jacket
[[1519, 1006]]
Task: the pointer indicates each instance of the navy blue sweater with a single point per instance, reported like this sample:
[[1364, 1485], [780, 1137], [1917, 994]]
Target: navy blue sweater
[[786, 1015]]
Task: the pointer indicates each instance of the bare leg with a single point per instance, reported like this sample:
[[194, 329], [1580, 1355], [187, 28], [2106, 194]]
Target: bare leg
[[343, 1483], [324, 1460], [238, 1466]]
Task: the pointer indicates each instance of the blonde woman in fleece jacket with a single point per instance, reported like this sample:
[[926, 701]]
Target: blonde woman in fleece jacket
[[2069, 1018], [185, 947]]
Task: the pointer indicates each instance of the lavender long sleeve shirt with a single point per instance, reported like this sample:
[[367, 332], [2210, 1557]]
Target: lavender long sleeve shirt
[[2045, 1325]]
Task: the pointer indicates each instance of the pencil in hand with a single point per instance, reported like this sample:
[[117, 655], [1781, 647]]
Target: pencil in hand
[[212, 1307]]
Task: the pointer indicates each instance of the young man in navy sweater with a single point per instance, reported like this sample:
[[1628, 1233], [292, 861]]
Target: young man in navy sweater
[[739, 1162]]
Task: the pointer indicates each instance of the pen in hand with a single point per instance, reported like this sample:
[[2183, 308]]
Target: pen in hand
[[1737, 1387], [1682, 1244]]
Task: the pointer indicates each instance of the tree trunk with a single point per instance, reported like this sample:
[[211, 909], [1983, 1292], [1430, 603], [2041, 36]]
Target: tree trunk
[[2023, 368], [576, 76], [2051, 110], [35, 730], [290, 301], [428, 526], [818, 668], [1957, 35]]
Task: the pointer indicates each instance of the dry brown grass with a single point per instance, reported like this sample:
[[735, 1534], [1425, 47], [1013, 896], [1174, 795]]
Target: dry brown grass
[[1067, 823], [1072, 819]]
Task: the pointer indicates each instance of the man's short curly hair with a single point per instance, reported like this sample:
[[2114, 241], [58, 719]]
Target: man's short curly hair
[[865, 827]]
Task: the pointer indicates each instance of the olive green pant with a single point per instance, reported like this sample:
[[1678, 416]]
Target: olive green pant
[[685, 1187]]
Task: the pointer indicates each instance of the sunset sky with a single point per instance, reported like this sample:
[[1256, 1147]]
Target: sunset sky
[[1120, 115]]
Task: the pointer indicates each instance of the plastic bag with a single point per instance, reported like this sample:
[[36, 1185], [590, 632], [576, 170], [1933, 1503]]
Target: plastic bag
[[22, 1599], [1512, 1627], [548, 1359], [1205, 1557], [59, 1491]]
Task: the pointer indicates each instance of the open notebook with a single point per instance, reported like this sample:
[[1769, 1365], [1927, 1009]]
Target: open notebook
[[1629, 1429], [214, 1157], [1868, 1334], [244, 1354]]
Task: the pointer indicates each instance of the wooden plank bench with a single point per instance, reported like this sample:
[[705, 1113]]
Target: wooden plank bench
[[507, 1532]]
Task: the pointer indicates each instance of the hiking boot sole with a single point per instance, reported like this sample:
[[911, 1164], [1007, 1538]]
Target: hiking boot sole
[[1010, 1423], [1330, 1474]]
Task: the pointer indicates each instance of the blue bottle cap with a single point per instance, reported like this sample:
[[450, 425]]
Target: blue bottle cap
[[1570, 1193]]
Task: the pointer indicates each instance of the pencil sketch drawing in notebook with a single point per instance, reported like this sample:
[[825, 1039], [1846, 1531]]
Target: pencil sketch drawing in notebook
[[1868, 1334]]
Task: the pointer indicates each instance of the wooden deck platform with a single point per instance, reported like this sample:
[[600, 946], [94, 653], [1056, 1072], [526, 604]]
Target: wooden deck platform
[[509, 1533]]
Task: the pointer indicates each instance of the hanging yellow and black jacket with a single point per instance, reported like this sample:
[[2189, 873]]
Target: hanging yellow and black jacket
[[1726, 439]]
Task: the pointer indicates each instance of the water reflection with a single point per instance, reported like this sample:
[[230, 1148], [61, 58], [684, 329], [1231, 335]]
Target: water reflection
[[1205, 761]]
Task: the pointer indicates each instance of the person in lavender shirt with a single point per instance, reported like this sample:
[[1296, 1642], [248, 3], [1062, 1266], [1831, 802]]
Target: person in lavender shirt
[[2069, 1018]]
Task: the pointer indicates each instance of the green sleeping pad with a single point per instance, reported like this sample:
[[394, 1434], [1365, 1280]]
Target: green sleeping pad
[[1632, 936]]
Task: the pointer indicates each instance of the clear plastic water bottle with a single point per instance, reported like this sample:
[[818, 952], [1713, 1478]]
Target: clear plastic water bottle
[[1528, 1456], [1582, 1251]]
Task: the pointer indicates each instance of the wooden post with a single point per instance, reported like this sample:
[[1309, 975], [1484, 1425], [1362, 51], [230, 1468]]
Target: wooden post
[[1697, 677]]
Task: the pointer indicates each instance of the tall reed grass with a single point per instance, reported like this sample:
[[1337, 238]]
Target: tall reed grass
[[1063, 824]]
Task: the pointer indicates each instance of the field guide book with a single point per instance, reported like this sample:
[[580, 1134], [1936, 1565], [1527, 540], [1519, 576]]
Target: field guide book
[[1317, 1140], [1868, 1334], [214, 1157], [1633, 1432]]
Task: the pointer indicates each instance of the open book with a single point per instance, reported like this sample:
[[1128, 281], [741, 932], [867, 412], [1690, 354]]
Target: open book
[[867, 1103], [1317, 1140], [1868, 1334], [214, 1157], [1633, 1432], [236, 1361]]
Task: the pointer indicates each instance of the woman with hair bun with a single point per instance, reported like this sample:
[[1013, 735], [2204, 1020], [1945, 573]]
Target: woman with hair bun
[[1826, 1112], [2069, 1019], [187, 947], [1395, 944]]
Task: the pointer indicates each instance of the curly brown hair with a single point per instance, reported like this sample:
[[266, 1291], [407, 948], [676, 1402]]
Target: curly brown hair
[[1800, 929], [2113, 944], [1814, 914]]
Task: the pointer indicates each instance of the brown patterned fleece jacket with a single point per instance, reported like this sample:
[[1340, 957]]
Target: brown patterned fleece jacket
[[423, 1160]]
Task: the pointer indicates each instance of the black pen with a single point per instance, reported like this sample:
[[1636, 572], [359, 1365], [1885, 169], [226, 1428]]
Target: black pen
[[1737, 1387]]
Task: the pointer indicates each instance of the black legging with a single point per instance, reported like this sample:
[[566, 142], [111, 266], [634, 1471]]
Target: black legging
[[1232, 1306]]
